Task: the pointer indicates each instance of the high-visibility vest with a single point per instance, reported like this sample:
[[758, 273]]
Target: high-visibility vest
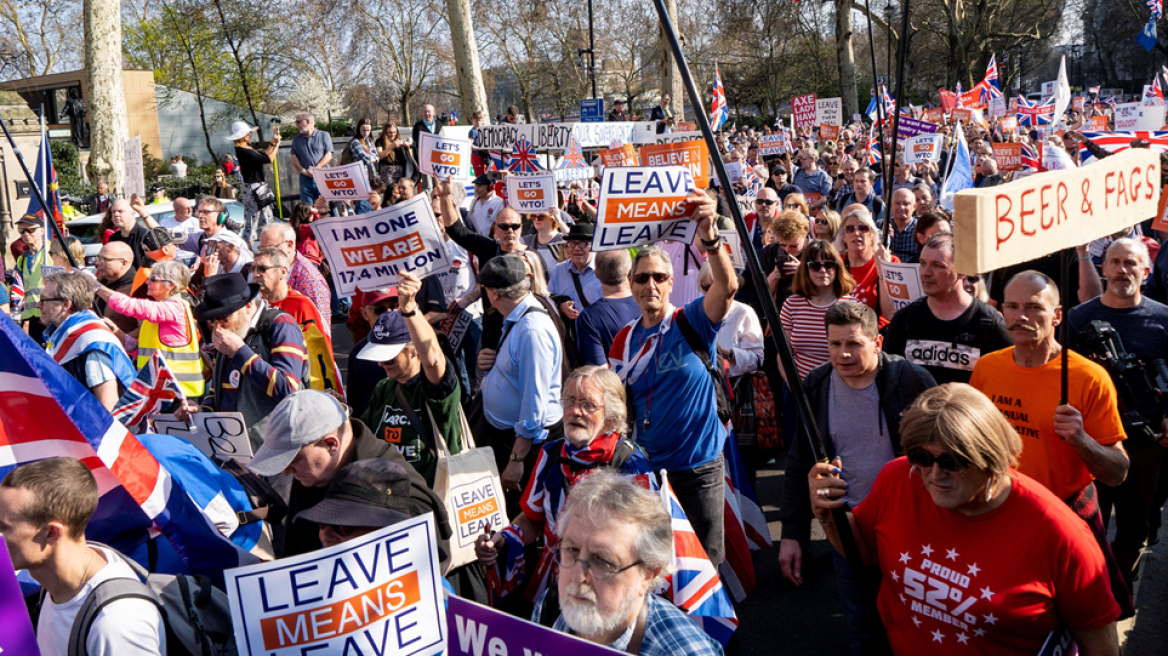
[[33, 281], [184, 361]]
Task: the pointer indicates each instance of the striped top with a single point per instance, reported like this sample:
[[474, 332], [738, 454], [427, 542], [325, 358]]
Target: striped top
[[803, 322]]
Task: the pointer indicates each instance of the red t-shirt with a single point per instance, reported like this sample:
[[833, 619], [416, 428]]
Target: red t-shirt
[[867, 276], [989, 584]]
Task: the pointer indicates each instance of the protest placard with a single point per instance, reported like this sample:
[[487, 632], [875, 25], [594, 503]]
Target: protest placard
[[829, 132], [911, 127], [675, 136], [348, 182], [1151, 115], [803, 110], [643, 205], [997, 106], [686, 126], [1008, 123], [380, 593], [961, 114], [1099, 122], [625, 155], [1127, 115], [555, 136], [1078, 102], [774, 144], [218, 435], [444, 157], [1008, 156], [694, 155], [923, 148], [16, 634], [733, 246], [1022, 220], [971, 99], [734, 172], [532, 194], [902, 282], [47, 271], [455, 325], [476, 630], [134, 181], [829, 111], [935, 115], [370, 250], [1012, 105]]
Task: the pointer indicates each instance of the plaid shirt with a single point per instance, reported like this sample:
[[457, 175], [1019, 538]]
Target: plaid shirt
[[903, 243], [668, 632], [307, 279]]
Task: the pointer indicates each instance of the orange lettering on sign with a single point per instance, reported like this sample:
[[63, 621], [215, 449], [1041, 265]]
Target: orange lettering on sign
[[626, 155], [386, 251], [341, 617], [481, 509]]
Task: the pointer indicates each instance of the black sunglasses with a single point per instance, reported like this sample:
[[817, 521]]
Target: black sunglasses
[[817, 265], [947, 462], [764, 202], [659, 278], [509, 226]]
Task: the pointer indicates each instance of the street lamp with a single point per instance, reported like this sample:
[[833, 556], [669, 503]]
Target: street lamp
[[591, 51]]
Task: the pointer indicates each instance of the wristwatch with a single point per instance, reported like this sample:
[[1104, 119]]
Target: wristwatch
[[410, 313], [515, 457]]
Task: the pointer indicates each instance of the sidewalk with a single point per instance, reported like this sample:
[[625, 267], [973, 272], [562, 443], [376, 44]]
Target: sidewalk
[[1144, 634]]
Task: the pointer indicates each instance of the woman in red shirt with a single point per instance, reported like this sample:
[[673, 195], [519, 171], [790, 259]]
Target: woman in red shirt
[[861, 239], [976, 558]]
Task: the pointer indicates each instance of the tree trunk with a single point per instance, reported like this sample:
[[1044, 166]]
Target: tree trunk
[[670, 75], [242, 69], [405, 112], [846, 57], [466, 60], [109, 127]]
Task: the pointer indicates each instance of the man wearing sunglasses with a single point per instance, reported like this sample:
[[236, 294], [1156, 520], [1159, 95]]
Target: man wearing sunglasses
[[857, 398], [766, 209], [32, 233]]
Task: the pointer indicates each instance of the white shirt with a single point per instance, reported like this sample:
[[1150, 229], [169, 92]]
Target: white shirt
[[129, 627], [741, 333], [483, 213], [178, 169], [188, 227], [687, 261]]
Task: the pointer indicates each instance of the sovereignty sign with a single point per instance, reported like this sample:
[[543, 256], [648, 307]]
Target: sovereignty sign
[[643, 205], [377, 594], [370, 250], [348, 182]]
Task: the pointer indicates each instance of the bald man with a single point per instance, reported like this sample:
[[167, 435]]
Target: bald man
[[115, 269], [904, 244]]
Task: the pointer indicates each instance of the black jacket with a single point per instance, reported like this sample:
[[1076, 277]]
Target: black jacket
[[898, 383]]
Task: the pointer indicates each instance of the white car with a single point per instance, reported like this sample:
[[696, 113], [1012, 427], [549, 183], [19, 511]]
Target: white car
[[86, 230]]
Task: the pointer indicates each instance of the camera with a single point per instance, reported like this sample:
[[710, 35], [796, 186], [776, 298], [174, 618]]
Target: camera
[[1141, 385], [495, 176], [276, 121]]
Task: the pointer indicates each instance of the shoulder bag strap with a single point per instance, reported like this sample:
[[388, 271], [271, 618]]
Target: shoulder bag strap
[[639, 632], [415, 421], [579, 287]]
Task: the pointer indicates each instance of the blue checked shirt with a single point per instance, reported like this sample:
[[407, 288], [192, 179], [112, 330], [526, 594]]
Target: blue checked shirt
[[904, 244], [668, 632]]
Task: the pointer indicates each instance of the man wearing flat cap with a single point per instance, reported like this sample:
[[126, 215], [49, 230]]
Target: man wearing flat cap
[[261, 357]]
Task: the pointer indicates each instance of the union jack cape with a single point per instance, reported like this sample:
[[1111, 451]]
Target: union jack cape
[[154, 390], [83, 332], [45, 412], [524, 159], [1117, 142]]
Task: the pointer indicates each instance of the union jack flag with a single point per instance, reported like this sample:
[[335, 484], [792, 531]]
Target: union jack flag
[[1157, 8], [750, 181], [573, 166], [524, 159], [885, 99], [1155, 90], [695, 587], [154, 390], [498, 160], [1035, 115], [16, 294], [1094, 91], [719, 110], [958, 92], [45, 412], [1030, 159], [745, 525], [874, 154], [1117, 142], [990, 83]]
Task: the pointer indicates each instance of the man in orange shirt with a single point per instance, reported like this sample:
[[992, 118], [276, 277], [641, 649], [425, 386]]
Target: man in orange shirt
[[270, 271], [1065, 447]]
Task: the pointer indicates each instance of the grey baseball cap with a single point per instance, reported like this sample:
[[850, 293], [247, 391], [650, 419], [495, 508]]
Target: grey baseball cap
[[299, 420]]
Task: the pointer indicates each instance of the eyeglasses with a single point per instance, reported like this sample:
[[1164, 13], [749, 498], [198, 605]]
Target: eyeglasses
[[110, 259], [587, 406], [793, 206], [580, 245], [947, 462], [857, 228], [658, 277], [46, 299], [264, 269], [157, 279], [509, 226], [764, 202], [817, 265], [203, 211], [567, 557], [822, 222]]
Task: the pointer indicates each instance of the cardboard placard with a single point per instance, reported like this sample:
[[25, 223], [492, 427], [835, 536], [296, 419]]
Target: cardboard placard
[[626, 155], [532, 194], [902, 282], [962, 114], [911, 127], [774, 144], [829, 132], [16, 634], [1099, 123], [443, 157], [1127, 116], [1040, 214], [134, 180], [555, 136], [371, 249], [694, 155], [971, 99], [47, 271], [935, 115], [829, 111], [997, 107], [643, 205], [733, 246], [477, 630], [803, 110], [348, 182], [686, 126], [454, 326], [1008, 123], [923, 148], [676, 135], [219, 435], [379, 593], [1151, 116], [734, 172], [1078, 102], [1008, 156]]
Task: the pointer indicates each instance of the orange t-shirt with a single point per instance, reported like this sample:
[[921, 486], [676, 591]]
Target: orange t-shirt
[[1028, 396]]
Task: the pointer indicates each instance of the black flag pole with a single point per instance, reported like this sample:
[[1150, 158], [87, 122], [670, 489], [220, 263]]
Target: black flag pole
[[807, 425], [880, 108], [36, 190], [890, 162]]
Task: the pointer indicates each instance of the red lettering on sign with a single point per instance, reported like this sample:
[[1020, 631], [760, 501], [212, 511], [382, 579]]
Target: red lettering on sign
[[1107, 190], [1003, 217], [1042, 205], [1023, 213], [1062, 195]]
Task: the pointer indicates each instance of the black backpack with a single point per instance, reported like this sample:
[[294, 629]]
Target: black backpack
[[196, 614]]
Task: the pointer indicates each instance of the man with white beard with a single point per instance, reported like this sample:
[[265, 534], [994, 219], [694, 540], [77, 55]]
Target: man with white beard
[[615, 546]]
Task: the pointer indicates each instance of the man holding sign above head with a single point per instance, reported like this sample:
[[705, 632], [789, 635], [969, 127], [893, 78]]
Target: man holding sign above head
[[662, 357]]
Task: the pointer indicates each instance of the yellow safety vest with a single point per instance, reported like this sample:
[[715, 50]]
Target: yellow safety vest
[[33, 281], [184, 361]]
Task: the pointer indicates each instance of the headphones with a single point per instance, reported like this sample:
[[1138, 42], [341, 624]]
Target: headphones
[[222, 218]]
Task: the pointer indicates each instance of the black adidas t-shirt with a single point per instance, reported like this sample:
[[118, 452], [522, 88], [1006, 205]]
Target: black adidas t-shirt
[[947, 349]]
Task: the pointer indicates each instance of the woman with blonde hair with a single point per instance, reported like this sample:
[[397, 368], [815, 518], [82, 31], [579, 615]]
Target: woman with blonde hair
[[394, 160], [76, 249]]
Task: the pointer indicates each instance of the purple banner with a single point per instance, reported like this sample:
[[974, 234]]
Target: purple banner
[[16, 636], [477, 630], [911, 127]]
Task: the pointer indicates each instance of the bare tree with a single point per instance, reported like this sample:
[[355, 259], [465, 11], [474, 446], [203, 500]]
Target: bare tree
[[35, 36], [400, 41]]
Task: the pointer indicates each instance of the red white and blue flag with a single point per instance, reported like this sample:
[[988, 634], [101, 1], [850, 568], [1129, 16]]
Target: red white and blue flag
[[45, 178], [498, 160], [154, 390], [990, 83], [83, 332], [745, 525], [874, 154], [1155, 91], [16, 294], [1030, 158], [524, 158], [1033, 115], [1116, 142], [45, 412], [750, 181], [719, 110], [573, 166], [695, 587]]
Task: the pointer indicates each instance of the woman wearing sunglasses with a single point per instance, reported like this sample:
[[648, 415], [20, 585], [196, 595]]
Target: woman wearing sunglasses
[[859, 240], [820, 281], [548, 239], [220, 188], [825, 225], [975, 557]]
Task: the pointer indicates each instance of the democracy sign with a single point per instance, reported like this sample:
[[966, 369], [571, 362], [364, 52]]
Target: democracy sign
[[625, 155], [693, 155], [532, 194], [774, 144], [1008, 156], [1025, 219], [923, 148], [375, 594], [476, 630], [902, 282], [348, 182], [16, 634], [803, 110], [370, 250], [643, 205], [671, 137], [555, 136], [218, 435], [829, 111], [444, 157]]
